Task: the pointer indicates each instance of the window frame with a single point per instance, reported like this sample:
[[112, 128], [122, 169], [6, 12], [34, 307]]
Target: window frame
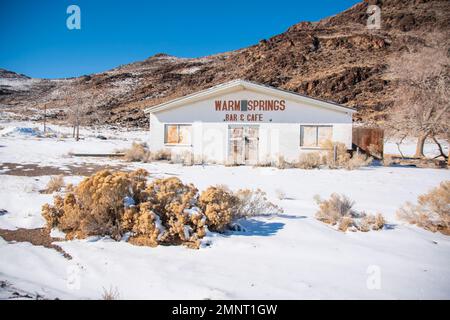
[[178, 125], [316, 126]]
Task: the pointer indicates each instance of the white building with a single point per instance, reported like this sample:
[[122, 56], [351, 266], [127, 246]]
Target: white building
[[241, 122]]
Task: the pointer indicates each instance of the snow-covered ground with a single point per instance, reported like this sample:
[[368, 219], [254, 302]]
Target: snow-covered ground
[[291, 256]]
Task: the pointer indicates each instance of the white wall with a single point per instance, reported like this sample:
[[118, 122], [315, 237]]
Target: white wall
[[279, 132]]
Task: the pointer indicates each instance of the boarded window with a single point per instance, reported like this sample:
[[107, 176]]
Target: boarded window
[[315, 136], [178, 134]]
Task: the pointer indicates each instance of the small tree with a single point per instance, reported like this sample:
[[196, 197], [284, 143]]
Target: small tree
[[422, 105]]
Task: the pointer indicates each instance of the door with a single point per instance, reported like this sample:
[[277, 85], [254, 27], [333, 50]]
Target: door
[[243, 144]]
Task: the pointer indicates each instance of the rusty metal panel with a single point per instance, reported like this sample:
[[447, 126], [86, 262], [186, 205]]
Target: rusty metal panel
[[369, 140]]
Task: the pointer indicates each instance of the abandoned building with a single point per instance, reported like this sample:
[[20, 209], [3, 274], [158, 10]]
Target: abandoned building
[[241, 122]]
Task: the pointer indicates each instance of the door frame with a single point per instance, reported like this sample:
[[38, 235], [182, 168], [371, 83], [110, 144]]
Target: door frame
[[243, 159]]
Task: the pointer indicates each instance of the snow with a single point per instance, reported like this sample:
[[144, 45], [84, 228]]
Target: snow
[[17, 84], [408, 148], [286, 256]]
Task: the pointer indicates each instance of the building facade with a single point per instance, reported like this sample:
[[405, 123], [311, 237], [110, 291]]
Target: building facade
[[241, 122]]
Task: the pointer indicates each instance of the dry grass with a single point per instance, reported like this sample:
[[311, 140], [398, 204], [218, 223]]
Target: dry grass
[[357, 161], [432, 211], [55, 184], [309, 160], [137, 152], [110, 294], [252, 203], [162, 154], [337, 211]]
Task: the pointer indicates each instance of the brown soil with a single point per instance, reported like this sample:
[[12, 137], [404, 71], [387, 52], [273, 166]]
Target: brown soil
[[34, 170], [37, 237]]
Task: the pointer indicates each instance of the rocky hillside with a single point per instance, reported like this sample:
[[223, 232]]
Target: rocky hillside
[[336, 59]]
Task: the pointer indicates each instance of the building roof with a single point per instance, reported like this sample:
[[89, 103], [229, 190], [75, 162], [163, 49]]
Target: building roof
[[240, 84]]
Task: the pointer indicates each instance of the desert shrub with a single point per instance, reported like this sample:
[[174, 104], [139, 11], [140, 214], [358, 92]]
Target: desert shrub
[[342, 156], [337, 211], [432, 211], [218, 203], [123, 205], [55, 184], [137, 152], [357, 160], [252, 203], [162, 154], [333, 210], [282, 163], [371, 222], [95, 206], [345, 223], [310, 160]]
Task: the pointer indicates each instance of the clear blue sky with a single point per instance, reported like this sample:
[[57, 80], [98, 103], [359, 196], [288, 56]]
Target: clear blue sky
[[34, 39]]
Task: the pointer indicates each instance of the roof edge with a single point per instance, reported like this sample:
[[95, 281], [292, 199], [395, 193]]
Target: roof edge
[[246, 84]]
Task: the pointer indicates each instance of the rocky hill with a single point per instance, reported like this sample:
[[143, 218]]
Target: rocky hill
[[337, 59]]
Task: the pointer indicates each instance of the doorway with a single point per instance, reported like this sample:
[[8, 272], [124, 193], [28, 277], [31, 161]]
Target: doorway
[[243, 144]]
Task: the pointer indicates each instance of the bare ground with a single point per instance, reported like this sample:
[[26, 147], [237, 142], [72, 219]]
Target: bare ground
[[35, 170], [37, 237]]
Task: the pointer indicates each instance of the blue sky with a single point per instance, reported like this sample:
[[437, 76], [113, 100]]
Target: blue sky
[[34, 39]]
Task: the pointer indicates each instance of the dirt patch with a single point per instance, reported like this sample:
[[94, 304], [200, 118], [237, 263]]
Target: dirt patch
[[37, 237], [35, 170]]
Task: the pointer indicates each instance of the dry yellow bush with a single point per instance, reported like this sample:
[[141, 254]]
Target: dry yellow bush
[[310, 160], [137, 152], [162, 154], [55, 184], [253, 203], [146, 228], [371, 222], [357, 160], [96, 205], [217, 203], [165, 211], [432, 211], [338, 211], [345, 223], [333, 210]]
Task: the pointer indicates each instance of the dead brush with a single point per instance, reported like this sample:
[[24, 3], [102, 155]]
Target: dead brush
[[310, 160], [251, 203], [337, 211], [110, 294], [357, 160], [137, 152], [55, 184], [432, 211], [162, 154]]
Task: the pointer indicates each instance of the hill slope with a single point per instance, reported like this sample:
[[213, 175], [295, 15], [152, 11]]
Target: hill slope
[[336, 59]]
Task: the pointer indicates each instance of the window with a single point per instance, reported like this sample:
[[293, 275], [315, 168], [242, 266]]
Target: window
[[178, 134], [315, 136]]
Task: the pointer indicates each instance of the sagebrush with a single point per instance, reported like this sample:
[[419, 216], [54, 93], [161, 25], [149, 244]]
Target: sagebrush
[[165, 211], [338, 211], [55, 184], [432, 211], [137, 152]]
